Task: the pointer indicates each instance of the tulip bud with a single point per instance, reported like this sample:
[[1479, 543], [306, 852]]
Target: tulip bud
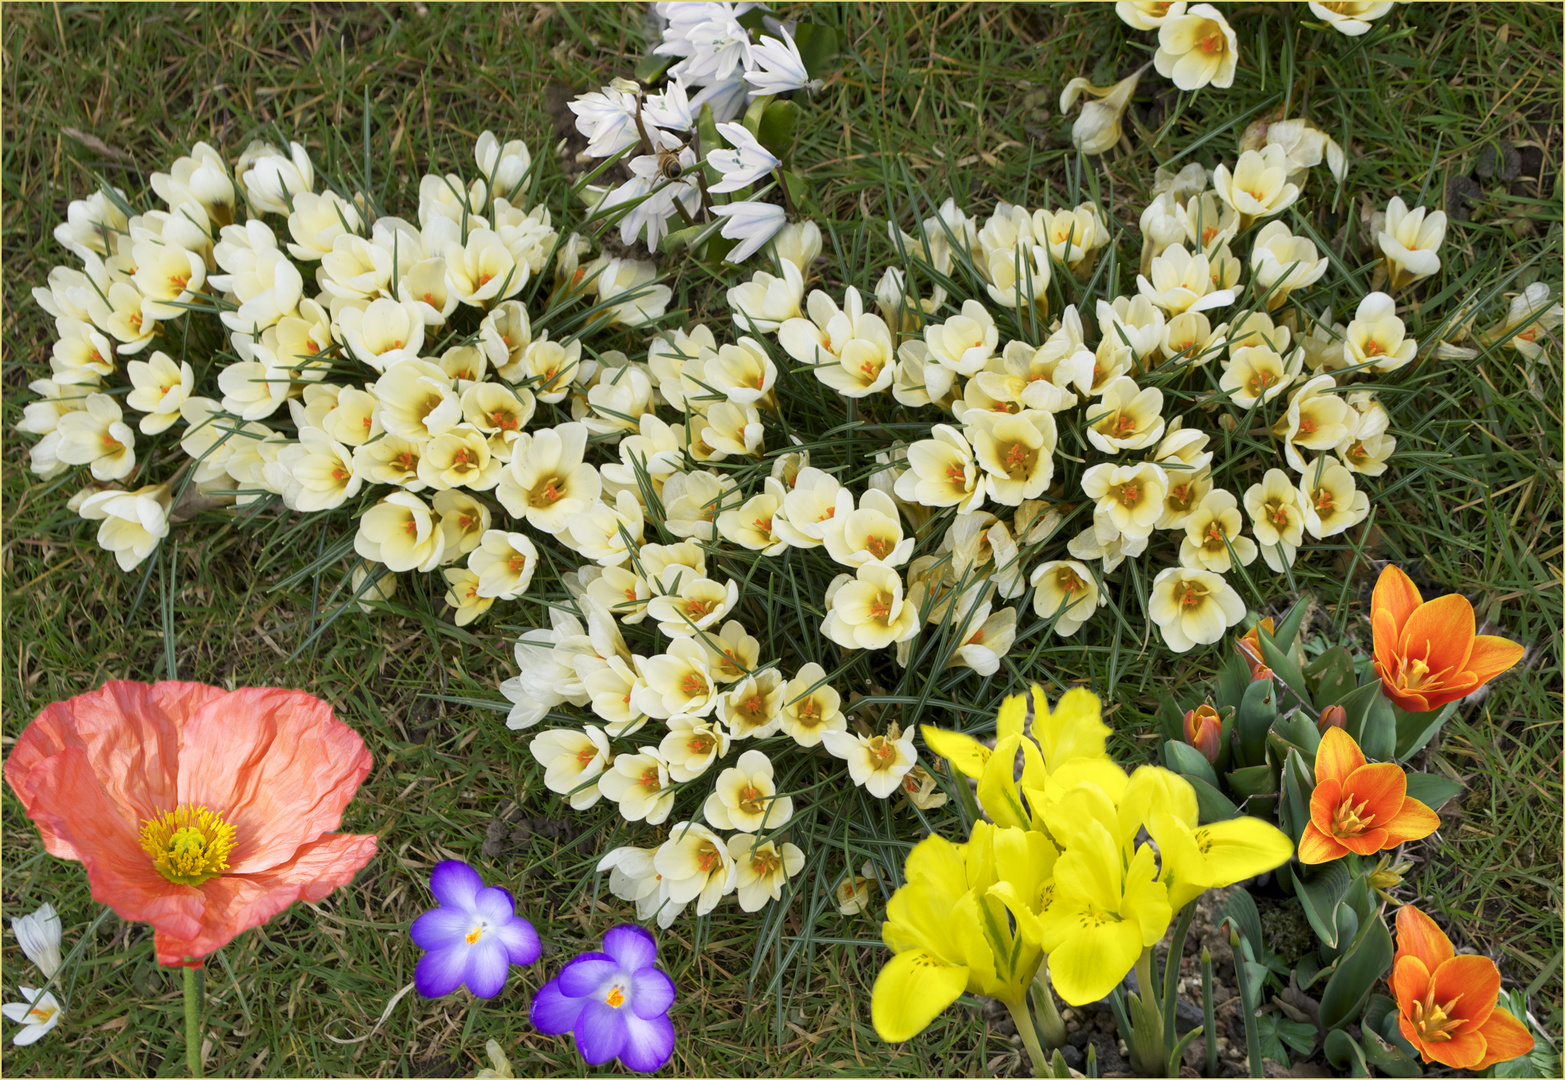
[[1203, 730], [1385, 877], [1249, 647], [1331, 716]]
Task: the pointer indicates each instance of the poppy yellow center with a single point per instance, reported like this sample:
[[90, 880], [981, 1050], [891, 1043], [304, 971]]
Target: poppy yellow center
[[189, 844]]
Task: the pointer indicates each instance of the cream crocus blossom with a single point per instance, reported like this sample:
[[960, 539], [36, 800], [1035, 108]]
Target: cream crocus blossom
[[1369, 442], [816, 501], [1350, 17], [482, 271], [272, 180], [1209, 224], [383, 334], [764, 869], [1255, 329], [463, 595], [1531, 314], [417, 401], [1257, 373], [354, 418], [572, 761], [1191, 338], [133, 522], [168, 277], [1281, 262], [692, 745], [1148, 14], [869, 610], [1211, 531], [877, 763], [612, 690], [401, 532], [618, 400], [158, 388], [463, 519], [81, 356], [810, 707], [1276, 517], [963, 343], [1016, 452], [745, 797], [607, 532], [97, 436], [1127, 418], [1066, 588], [695, 865], [38, 1014], [678, 682], [750, 524], [1331, 501], [390, 459], [743, 371], [1316, 420], [1131, 495], [726, 430], [1258, 186], [871, 533], [320, 472], [942, 471], [697, 604], [1099, 126], [632, 877], [1410, 241], [546, 481], [1197, 48], [1179, 281], [1130, 324], [1073, 236], [459, 457], [765, 302], [550, 367], [1193, 607], [639, 783], [1377, 337], [752, 706], [504, 562], [986, 640]]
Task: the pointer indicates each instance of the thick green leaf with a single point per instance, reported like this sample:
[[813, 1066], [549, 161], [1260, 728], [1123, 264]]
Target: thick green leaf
[[1431, 789], [1246, 917], [798, 187], [779, 123], [1293, 804], [1414, 730], [1254, 781], [1319, 896], [1360, 899], [1232, 680], [818, 46], [1331, 676], [1296, 730], [1345, 1054], [1347, 921], [1214, 805], [1288, 629], [1170, 718], [1285, 669], [1187, 760], [1308, 970], [1386, 1057], [1376, 1009], [1356, 705], [1379, 741], [1358, 972], [1257, 710], [650, 68]]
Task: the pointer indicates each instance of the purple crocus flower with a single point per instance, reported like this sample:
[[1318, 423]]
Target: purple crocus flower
[[473, 937], [615, 1002]]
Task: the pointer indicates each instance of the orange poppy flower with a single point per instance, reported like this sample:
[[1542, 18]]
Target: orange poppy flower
[[1446, 1003], [201, 811], [1357, 806], [1427, 654]]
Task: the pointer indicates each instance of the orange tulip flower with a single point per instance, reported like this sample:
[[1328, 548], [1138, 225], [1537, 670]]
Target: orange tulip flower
[[1204, 731], [201, 811], [1359, 807], [1427, 654], [1446, 1003]]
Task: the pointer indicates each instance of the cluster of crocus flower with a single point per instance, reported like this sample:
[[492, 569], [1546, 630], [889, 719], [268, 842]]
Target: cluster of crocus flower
[[39, 936]]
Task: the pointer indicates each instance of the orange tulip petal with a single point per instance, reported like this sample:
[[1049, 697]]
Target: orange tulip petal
[[1366, 843], [1463, 1050], [1505, 1037], [1415, 822], [1381, 787], [1324, 800], [129, 732], [237, 902], [1492, 655], [1420, 936], [1396, 595], [277, 764], [1337, 757], [1316, 846], [1387, 635], [1440, 633], [71, 800], [1473, 981]]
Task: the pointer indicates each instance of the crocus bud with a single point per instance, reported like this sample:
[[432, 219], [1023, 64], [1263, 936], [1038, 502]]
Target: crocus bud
[[1331, 716], [1204, 730]]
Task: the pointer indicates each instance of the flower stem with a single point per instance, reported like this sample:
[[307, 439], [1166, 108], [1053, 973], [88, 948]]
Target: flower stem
[[194, 989], [1050, 1027], [1176, 950], [1248, 1006], [1209, 1012], [1146, 1037], [1022, 1018]]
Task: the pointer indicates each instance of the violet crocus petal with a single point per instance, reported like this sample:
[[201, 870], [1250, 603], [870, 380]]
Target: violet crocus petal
[[489, 961], [520, 939], [552, 1012], [588, 975], [649, 1043], [494, 905], [631, 946], [651, 993], [441, 928], [441, 971], [455, 884], [600, 1032]]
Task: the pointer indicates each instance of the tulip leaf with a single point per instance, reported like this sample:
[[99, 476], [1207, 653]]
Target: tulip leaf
[[1345, 1054], [1288, 629], [1432, 790], [1255, 781], [818, 45], [1188, 761], [1320, 895], [1170, 718], [1213, 804], [1358, 972], [1232, 681], [1284, 668], [1388, 1058], [1370, 721], [1414, 730], [1241, 910], [1333, 676], [1308, 970], [1257, 710], [1359, 898], [1293, 806], [1355, 704], [1347, 923], [1377, 1009], [1295, 731]]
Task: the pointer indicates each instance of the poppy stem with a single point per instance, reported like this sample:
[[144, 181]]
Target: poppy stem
[[194, 992]]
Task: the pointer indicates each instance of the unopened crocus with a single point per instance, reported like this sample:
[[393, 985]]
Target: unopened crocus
[[615, 1002], [1446, 1003], [1426, 654], [1099, 126], [472, 937], [1204, 731], [199, 810], [1358, 807], [39, 936]]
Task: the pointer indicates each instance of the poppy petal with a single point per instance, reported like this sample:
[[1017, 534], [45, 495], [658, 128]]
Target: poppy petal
[[1420, 936], [1381, 787], [279, 766], [1492, 655], [1440, 633], [1414, 822], [1396, 595], [1472, 983], [1336, 758], [1316, 847], [1505, 1037]]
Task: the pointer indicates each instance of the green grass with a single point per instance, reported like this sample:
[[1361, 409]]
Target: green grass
[[929, 101]]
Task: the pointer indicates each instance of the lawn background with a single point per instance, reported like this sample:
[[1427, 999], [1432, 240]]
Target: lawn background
[[967, 96]]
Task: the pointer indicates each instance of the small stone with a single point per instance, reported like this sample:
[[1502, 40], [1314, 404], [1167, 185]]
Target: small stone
[[1074, 1057]]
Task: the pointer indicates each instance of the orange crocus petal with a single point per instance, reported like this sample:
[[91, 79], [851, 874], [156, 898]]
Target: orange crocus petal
[[1316, 846], [1381, 787], [1472, 983], [1440, 633], [280, 766], [1492, 655], [237, 902], [1337, 757], [1413, 822], [129, 733], [1505, 1037], [1396, 595], [1420, 936]]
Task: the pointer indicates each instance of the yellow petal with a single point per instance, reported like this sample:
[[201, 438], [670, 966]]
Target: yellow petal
[[910, 991], [966, 754], [1240, 848], [1092, 961], [1074, 729], [997, 786], [1011, 717]]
